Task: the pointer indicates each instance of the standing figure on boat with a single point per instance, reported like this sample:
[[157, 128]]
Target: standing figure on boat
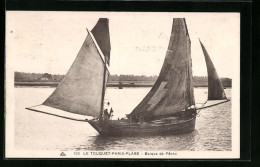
[[111, 113], [107, 115]]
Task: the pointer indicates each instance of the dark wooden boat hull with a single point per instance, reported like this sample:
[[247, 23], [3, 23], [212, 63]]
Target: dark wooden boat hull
[[145, 129]]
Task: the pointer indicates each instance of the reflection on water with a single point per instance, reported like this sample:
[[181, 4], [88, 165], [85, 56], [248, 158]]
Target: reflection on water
[[177, 142], [167, 143], [36, 131]]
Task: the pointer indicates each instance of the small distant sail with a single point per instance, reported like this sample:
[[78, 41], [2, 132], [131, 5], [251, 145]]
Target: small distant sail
[[173, 90], [81, 91], [215, 88]]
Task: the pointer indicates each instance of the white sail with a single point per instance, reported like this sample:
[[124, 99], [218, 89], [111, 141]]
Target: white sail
[[81, 90]]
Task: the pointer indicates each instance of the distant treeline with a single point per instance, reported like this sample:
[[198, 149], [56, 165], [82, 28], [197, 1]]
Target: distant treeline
[[119, 78], [36, 77]]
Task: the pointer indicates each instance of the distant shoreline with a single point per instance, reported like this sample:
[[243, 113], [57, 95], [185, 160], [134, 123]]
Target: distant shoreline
[[109, 84], [45, 79]]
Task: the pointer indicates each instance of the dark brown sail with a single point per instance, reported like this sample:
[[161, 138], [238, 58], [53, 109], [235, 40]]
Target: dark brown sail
[[173, 90], [215, 88], [101, 34]]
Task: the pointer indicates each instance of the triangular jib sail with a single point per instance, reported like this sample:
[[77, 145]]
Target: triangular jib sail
[[173, 90], [215, 88], [81, 90]]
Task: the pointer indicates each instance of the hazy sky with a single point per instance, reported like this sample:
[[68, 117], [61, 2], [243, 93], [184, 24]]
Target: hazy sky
[[49, 41]]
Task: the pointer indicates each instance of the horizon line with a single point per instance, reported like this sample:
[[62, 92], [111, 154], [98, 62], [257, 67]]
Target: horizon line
[[118, 74]]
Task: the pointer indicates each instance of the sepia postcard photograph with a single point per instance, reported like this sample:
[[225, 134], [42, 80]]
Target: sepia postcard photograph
[[122, 85]]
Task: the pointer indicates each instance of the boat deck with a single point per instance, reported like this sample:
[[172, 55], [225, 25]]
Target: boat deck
[[155, 123], [170, 125]]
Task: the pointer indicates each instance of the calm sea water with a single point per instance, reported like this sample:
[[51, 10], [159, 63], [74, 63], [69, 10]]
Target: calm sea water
[[36, 131]]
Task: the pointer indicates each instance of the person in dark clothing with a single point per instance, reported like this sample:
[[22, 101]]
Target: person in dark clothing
[[111, 113], [106, 115]]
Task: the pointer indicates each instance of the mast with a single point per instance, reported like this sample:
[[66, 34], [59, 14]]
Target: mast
[[103, 92]]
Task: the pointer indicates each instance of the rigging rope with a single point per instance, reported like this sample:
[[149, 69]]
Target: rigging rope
[[198, 111], [218, 114], [201, 106]]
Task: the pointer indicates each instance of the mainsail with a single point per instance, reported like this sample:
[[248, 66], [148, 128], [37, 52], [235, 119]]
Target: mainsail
[[173, 90], [215, 88], [82, 89]]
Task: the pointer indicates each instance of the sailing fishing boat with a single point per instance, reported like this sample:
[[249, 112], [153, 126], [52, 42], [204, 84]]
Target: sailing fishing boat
[[168, 108]]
